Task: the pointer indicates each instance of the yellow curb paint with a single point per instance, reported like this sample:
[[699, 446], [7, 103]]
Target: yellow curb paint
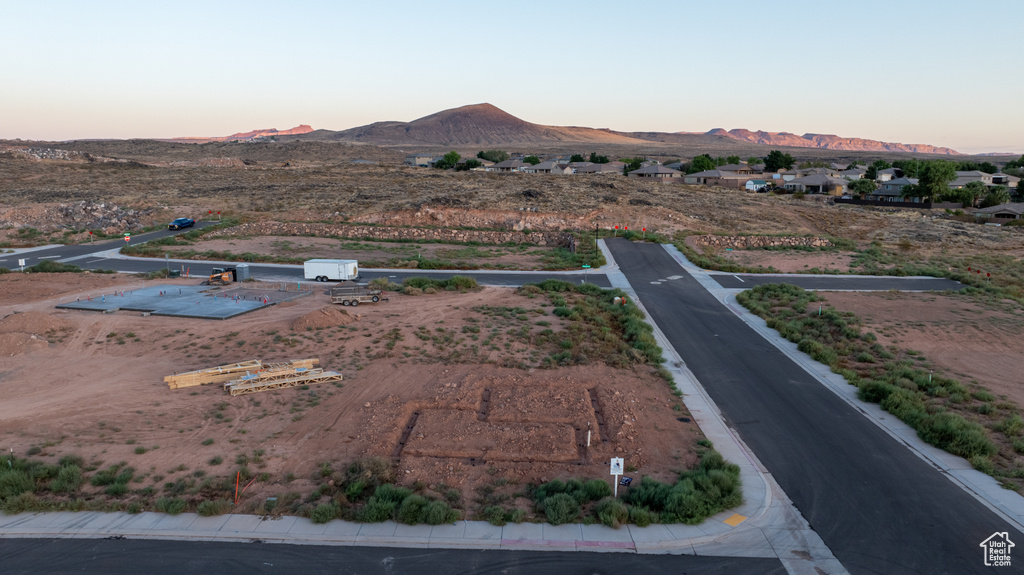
[[735, 520]]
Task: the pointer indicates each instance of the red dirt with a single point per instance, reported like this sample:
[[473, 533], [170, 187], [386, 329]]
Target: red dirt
[[97, 391], [965, 339]]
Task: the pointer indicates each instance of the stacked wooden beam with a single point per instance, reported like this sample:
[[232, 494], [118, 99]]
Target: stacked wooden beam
[[279, 379], [225, 373]]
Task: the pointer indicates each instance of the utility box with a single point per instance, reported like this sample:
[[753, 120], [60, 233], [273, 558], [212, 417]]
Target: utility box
[[243, 273], [325, 270]]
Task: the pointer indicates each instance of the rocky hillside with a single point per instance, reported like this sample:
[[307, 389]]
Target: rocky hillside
[[246, 136], [827, 142]]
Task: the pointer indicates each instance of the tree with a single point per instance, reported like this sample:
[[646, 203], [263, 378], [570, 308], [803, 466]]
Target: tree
[[701, 163], [996, 196], [448, 161], [467, 165], [967, 195], [988, 167], [631, 164], [577, 158], [873, 169], [755, 160], [532, 160], [934, 178], [594, 158], [777, 160], [495, 156], [909, 168], [732, 160], [862, 186]]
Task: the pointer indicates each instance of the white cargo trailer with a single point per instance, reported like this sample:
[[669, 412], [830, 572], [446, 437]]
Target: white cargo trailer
[[323, 270]]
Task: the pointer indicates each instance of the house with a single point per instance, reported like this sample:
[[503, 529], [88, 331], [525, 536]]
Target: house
[[756, 185], [818, 184], [744, 169], [549, 167], [657, 172], [609, 168], [1001, 179], [420, 160], [892, 191], [885, 175], [852, 174], [718, 178], [964, 178], [1002, 211], [484, 164], [508, 166]]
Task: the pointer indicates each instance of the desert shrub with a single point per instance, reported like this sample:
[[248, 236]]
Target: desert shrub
[[391, 493], [642, 516], [170, 505], [495, 515], [116, 489], [560, 509], [956, 435], [383, 283], [1011, 426], [71, 460], [50, 266], [612, 512], [411, 510], [25, 501], [596, 489], [438, 512], [212, 508], [69, 479], [367, 473], [409, 290], [324, 512], [376, 511], [14, 482]]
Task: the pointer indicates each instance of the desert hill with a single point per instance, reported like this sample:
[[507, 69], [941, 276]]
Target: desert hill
[[825, 142], [475, 125]]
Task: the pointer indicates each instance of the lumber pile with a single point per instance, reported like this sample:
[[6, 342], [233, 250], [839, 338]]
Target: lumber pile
[[225, 373], [278, 379]]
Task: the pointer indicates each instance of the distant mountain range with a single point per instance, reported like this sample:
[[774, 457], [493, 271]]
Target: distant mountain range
[[827, 142], [481, 125], [245, 136]]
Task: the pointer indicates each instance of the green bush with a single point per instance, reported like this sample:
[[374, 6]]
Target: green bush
[[956, 435], [170, 505], [560, 509], [212, 508], [376, 511], [612, 512], [438, 512], [14, 482], [411, 510], [69, 479], [53, 267], [324, 512], [642, 516]]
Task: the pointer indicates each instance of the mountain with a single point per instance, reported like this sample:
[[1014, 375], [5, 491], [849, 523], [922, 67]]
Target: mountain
[[827, 142], [475, 125], [246, 136]]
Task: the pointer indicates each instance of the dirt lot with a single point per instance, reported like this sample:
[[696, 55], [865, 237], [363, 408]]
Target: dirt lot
[[377, 254], [424, 384], [965, 338]]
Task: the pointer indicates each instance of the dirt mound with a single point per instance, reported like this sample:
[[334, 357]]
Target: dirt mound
[[34, 322], [18, 343], [326, 317]]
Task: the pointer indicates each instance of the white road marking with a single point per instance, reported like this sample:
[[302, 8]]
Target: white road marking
[[738, 277], [47, 257], [675, 277], [656, 283]]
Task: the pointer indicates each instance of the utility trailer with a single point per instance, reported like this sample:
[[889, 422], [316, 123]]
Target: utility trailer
[[325, 270], [356, 294]]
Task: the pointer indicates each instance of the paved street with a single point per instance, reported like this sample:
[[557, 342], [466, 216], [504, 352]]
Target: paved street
[[838, 282], [878, 507], [133, 556]]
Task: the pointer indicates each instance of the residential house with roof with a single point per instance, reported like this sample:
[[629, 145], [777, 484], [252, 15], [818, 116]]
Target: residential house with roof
[[657, 172], [1011, 211], [964, 178], [508, 166], [885, 175], [756, 185], [892, 191], [608, 168], [549, 167], [720, 177], [742, 169], [420, 160], [1001, 179], [818, 184], [852, 174]]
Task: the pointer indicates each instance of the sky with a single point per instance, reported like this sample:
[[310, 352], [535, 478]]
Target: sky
[[922, 72]]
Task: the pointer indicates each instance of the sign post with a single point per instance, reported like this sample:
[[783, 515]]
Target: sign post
[[616, 472], [127, 237], [21, 262], [585, 268]]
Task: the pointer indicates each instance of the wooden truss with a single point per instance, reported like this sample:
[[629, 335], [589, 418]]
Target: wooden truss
[[225, 373], [279, 379]]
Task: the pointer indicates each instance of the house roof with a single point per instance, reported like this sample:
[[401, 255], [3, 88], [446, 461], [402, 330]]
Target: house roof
[[1013, 208], [891, 171], [817, 180], [599, 168], [510, 164], [859, 173], [972, 173], [902, 182], [736, 168], [656, 169]]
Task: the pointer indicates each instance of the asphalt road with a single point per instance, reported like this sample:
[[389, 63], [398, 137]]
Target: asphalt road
[[64, 252], [838, 282], [113, 557], [879, 507]]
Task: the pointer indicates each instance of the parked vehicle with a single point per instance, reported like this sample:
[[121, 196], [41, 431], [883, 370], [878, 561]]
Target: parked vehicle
[[355, 294], [325, 270], [181, 223]]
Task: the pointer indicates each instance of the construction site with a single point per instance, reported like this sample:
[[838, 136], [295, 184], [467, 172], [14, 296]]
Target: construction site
[[444, 386]]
